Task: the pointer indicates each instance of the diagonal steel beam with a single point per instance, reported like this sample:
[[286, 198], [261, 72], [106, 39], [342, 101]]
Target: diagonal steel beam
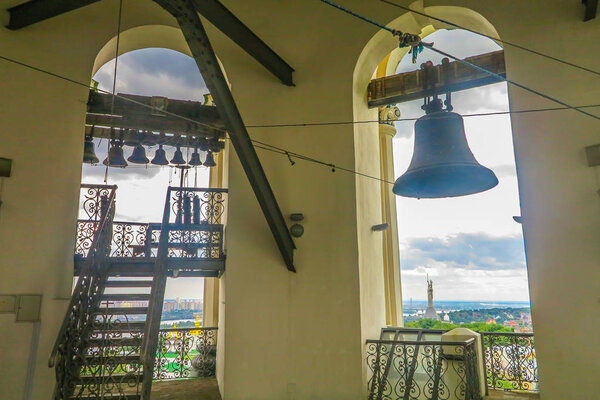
[[38, 10], [235, 29], [189, 21]]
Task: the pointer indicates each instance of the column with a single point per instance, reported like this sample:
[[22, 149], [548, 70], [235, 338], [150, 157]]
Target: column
[[391, 254]]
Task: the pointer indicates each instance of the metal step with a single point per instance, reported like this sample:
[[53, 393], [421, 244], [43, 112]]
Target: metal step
[[131, 270], [125, 297], [116, 342], [112, 380], [114, 360], [123, 326], [108, 396], [120, 284], [121, 310]]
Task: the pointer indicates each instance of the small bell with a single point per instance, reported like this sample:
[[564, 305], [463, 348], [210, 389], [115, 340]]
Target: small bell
[[210, 160], [178, 157], [195, 159], [442, 163], [138, 156], [115, 155], [160, 157], [89, 151]]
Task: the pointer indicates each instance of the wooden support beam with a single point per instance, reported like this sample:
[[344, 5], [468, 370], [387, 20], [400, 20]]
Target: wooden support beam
[[151, 140], [591, 8], [439, 79], [134, 116], [155, 124], [235, 29], [39, 10], [187, 17]]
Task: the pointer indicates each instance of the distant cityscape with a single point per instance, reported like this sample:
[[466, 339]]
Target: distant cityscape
[[514, 315], [182, 304]]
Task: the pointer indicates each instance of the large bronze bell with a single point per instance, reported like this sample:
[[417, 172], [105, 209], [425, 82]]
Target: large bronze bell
[[442, 163], [115, 155], [160, 157], [178, 157], [138, 156], [89, 151]]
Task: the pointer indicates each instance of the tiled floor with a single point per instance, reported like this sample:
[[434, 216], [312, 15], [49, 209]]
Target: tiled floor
[[191, 389]]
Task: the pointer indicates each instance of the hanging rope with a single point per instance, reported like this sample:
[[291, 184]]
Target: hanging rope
[[114, 87]]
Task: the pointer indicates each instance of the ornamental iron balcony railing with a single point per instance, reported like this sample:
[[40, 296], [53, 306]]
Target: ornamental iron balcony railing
[[510, 361], [509, 357], [185, 353], [195, 228], [422, 370]]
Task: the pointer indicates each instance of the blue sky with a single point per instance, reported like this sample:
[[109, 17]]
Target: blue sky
[[469, 246]]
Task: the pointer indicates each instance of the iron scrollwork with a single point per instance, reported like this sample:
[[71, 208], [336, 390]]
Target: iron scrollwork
[[129, 239], [415, 370], [185, 353], [69, 355], [510, 361]]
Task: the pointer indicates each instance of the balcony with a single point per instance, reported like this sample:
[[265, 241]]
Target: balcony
[[195, 232], [417, 364]]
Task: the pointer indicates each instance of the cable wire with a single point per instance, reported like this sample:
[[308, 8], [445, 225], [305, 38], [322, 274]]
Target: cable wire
[[501, 78], [430, 46], [301, 124], [515, 45]]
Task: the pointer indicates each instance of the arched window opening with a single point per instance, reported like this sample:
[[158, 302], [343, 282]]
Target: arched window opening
[[471, 247]]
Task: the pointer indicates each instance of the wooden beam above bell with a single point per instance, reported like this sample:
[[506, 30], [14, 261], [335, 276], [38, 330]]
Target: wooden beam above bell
[[438, 79], [154, 114], [151, 139]]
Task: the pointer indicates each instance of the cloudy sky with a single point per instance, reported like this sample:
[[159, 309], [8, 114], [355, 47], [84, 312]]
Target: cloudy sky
[[142, 189], [469, 246]]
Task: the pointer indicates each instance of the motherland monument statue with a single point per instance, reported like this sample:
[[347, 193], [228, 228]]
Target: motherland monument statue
[[430, 313]]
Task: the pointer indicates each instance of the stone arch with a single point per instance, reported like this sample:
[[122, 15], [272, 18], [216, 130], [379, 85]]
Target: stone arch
[[142, 37], [380, 57]]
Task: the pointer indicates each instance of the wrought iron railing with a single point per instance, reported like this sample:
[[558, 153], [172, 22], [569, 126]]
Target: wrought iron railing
[[510, 361], [129, 239], [195, 218], [69, 352], [509, 357], [91, 200], [422, 370], [185, 353]]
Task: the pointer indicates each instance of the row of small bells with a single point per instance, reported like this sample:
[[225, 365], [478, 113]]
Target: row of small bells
[[116, 158]]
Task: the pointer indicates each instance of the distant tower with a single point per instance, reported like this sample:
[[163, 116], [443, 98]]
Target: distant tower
[[430, 313]]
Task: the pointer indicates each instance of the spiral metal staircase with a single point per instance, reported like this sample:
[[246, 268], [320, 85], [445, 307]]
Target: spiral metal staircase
[[106, 347]]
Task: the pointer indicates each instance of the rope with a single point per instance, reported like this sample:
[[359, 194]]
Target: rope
[[494, 38], [114, 86]]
